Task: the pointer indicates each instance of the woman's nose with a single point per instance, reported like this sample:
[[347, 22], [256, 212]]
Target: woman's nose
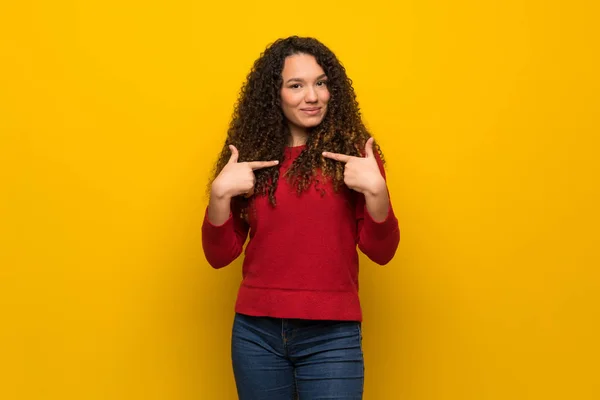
[[311, 95]]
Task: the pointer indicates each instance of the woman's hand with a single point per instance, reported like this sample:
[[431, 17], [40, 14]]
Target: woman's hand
[[361, 173], [237, 178]]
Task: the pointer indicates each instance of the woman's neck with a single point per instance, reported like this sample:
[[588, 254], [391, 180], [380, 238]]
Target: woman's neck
[[298, 136]]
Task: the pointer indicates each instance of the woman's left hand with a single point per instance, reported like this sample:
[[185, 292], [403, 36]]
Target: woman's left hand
[[361, 173]]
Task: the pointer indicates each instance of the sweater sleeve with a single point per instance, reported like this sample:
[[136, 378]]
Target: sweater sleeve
[[377, 240], [223, 243]]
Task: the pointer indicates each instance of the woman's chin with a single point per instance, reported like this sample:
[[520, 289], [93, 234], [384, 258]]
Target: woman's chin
[[311, 123]]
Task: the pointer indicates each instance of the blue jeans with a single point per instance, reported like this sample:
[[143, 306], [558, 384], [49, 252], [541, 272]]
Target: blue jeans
[[286, 359]]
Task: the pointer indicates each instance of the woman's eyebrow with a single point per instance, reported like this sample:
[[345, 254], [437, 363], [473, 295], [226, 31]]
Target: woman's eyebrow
[[302, 80]]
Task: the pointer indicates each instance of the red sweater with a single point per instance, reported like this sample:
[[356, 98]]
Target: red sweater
[[301, 260]]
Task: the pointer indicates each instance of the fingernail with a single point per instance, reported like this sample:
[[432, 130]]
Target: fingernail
[[276, 162]]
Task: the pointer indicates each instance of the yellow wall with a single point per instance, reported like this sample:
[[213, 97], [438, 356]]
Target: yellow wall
[[111, 116]]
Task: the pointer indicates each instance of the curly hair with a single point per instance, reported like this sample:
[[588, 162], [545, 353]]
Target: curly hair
[[259, 130]]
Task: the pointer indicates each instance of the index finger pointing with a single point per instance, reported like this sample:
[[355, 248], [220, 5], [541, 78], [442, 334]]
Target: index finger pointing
[[262, 164], [336, 156]]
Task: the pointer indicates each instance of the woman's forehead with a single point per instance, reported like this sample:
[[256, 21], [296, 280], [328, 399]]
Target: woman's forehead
[[302, 66]]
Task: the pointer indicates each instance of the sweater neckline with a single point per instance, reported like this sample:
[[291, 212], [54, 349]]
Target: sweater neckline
[[295, 149]]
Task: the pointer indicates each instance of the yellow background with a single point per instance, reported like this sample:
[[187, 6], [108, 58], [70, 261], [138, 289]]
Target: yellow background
[[111, 116]]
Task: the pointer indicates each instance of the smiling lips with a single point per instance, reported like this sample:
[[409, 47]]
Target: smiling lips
[[311, 110]]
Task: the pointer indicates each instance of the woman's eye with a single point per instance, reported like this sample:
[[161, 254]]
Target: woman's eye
[[322, 83], [295, 86]]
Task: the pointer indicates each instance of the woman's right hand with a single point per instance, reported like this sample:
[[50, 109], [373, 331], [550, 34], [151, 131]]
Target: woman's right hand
[[237, 178]]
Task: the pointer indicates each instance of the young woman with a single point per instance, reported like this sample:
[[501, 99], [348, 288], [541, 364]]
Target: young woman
[[301, 174]]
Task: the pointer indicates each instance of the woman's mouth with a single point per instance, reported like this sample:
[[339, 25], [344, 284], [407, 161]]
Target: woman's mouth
[[311, 110]]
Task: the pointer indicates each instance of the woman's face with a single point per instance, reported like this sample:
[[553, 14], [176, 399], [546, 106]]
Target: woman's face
[[304, 94]]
